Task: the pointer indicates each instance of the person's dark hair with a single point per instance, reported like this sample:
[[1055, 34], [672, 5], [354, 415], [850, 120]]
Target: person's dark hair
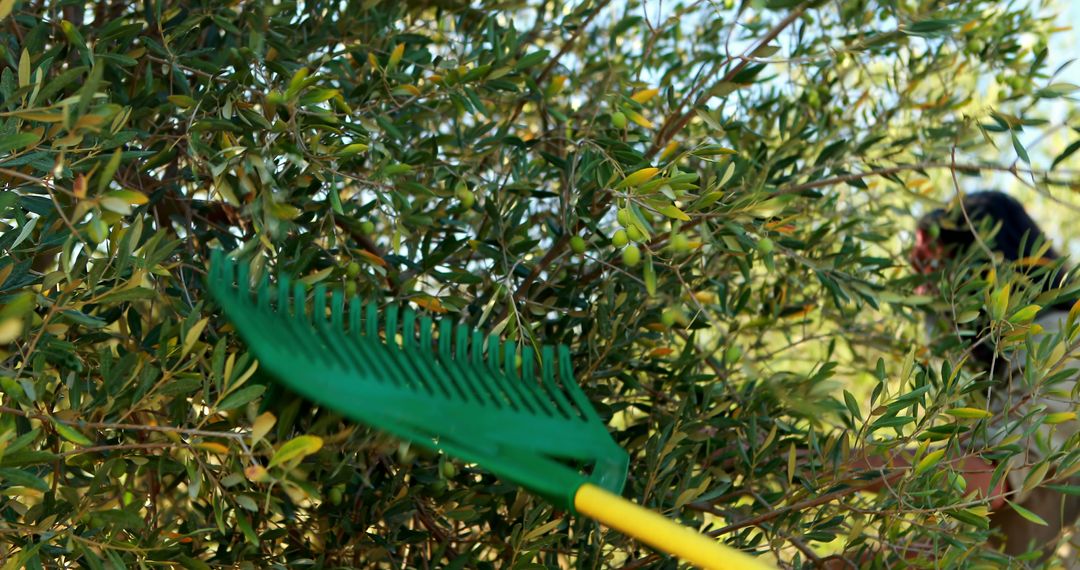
[[1017, 237]]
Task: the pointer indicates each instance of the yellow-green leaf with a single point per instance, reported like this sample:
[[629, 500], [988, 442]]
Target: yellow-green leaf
[[640, 120], [674, 213], [1025, 315], [1035, 478], [296, 83], [71, 434], [318, 96], [193, 334], [317, 276], [999, 302], [296, 448], [262, 426], [639, 177], [212, 447], [24, 68], [1059, 417], [713, 150], [966, 317], [395, 57], [284, 211], [1074, 311], [114, 204], [969, 413], [182, 101], [5, 8], [644, 95], [929, 461], [43, 116], [131, 197], [355, 148], [406, 91], [541, 530]]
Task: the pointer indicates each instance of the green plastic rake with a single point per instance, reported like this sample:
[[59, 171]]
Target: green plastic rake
[[449, 388]]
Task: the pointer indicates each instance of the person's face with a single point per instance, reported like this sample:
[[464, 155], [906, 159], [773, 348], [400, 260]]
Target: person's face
[[926, 257]]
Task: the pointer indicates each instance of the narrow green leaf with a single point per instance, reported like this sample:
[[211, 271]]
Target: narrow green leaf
[[18, 141], [1028, 515], [23, 479], [1069, 151], [531, 59], [71, 434], [852, 405], [241, 397], [1020, 150], [649, 275], [107, 173]]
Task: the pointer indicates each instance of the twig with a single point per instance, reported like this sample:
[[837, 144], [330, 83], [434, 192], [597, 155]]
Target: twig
[[120, 447], [765, 517], [122, 426], [666, 133], [563, 240]]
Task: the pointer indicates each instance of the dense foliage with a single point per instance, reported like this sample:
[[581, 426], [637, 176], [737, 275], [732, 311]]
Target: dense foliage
[[708, 201]]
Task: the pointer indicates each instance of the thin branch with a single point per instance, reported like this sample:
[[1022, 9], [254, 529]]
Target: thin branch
[[664, 135], [120, 447], [672, 125], [122, 426]]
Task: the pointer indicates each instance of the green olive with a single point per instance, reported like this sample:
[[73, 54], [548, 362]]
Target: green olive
[[449, 470], [631, 256], [618, 119], [669, 316], [623, 217], [732, 354], [620, 238], [465, 196], [577, 245], [634, 234], [368, 227], [336, 495], [437, 488], [766, 246], [350, 288], [679, 243], [352, 269]]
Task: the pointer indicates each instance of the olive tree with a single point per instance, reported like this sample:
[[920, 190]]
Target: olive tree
[[708, 201]]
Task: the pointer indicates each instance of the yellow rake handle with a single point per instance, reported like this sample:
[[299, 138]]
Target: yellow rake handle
[[661, 533]]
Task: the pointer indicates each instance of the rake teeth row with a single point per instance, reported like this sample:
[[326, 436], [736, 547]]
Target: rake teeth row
[[432, 356]]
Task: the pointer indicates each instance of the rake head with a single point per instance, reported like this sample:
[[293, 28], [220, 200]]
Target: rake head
[[440, 385]]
